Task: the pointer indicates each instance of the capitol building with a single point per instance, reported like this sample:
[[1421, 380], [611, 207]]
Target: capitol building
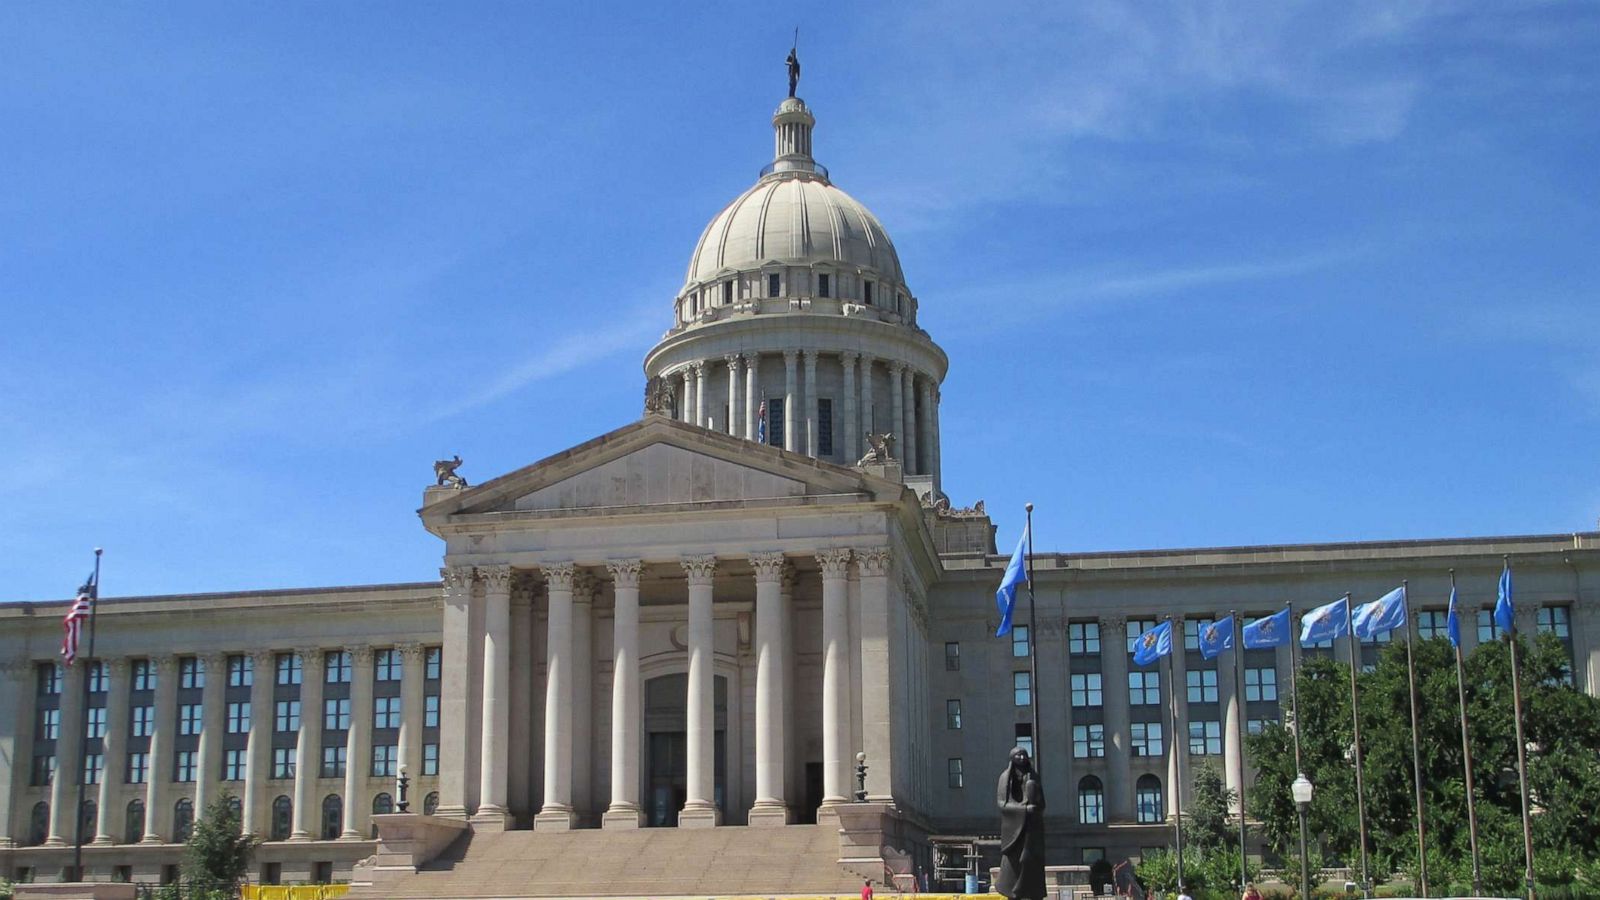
[[701, 620]]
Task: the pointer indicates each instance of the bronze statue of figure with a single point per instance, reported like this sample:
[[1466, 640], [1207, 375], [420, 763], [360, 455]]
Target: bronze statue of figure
[[794, 70], [445, 471], [659, 398], [880, 449], [1021, 799]]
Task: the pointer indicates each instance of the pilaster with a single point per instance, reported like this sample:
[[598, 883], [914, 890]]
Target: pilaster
[[16, 706]]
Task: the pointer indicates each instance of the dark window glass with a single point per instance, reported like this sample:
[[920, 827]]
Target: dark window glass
[[775, 422], [822, 285], [824, 427], [773, 284]]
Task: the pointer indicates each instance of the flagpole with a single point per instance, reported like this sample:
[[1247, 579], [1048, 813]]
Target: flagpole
[[1522, 748], [1294, 687], [83, 730], [1416, 747], [1466, 744], [1355, 728], [1033, 648], [1238, 733], [1177, 759]]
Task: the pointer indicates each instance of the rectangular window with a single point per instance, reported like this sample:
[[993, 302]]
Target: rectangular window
[[288, 718], [1145, 739], [1021, 689], [241, 671], [144, 675], [1144, 688], [727, 292], [1024, 737], [386, 712], [773, 285], [1205, 737], [1088, 741], [282, 762], [1556, 620], [866, 292], [1432, 623], [239, 718], [49, 724], [44, 769], [189, 718], [1382, 637], [1083, 637], [1136, 628], [430, 711], [952, 715], [337, 667], [99, 678], [1256, 726], [387, 665], [775, 422], [1019, 641], [952, 657], [384, 759], [822, 284], [336, 714], [953, 772], [49, 679], [233, 765], [93, 765], [191, 673], [289, 668], [824, 427], [1260, 684], [1191, 632], [1202, 685], [144, 721], [1087, 690], [430, 759], [138, 767], [184, 770], [333, 761], [1488, 629], [433, 665], [97, 722]]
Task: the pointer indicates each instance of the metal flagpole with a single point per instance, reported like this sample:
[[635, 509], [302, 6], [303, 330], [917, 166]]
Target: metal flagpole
[[1522, 751], [1355, 727], [1466, 749], [1033, 651], [1177, 760], [1294, 687], [83, 731], [1416, 747], [1238, 733]]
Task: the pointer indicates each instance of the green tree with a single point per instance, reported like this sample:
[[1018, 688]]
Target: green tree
[[217, 856], [1209, 828]]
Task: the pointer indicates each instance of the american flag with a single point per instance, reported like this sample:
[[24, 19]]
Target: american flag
[[73, 623], [761, 423]]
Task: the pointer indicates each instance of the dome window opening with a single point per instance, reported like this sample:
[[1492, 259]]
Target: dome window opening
[[727, 292], [774, 285], [824, 425], [866, 292], [822, 284]]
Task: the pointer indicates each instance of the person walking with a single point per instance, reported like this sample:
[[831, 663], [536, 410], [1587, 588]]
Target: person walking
[[1250, 893]]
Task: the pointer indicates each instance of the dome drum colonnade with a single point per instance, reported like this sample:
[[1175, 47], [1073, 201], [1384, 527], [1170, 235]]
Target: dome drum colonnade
[[795, 297]]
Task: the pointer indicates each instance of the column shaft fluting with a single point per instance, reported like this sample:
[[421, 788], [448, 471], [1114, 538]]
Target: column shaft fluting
[[811, 404], [789, 398], [699, 806], [835, 676], [557, 811], [308, 746], [771, 715], [625, 710]]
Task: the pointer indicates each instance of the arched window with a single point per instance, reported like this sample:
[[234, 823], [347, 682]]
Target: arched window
[[430, 803], [382, 805], [1148, 800], [39, 824], [332, 817], [282, 818], [1091, 801], [182, 820], [90, 820], [134, 827]]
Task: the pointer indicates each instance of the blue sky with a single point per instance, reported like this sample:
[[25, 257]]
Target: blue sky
[[1208, 274]]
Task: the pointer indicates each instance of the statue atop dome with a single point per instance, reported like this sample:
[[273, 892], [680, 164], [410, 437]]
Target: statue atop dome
[[794, 63]]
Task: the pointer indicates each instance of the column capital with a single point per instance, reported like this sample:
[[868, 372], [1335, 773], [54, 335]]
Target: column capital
[[457, 580], [262, 659], [810, 354], [789, 357], [496, 579], [769, 567], [835, 562], [896, 368], [559, 576], [699, 368], [166, 664], [848, 358], [216, 662], [119, 667], [872, 561], [411, 651], [584, 586], [625, 572], [17, 666], [700, 569], [732, 359], [1118, 624], [750, 359], [360, 654], [310, 661]]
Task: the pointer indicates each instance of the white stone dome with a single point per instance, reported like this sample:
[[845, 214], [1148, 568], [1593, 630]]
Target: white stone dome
[[793, 217]]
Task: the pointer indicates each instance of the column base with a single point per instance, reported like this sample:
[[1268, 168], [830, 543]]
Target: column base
[[451, 812], [491, 818], [151, 839], [351, 836], [770, 815], [622, 818], [555, 818], [102, 840], [702, 815], [299, 837], [54, 841]]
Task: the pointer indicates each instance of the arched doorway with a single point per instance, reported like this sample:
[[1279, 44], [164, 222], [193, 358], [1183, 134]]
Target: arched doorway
[[666, 747]]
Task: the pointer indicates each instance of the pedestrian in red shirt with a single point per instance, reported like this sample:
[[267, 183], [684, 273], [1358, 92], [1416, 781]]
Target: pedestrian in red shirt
[[866, 889]]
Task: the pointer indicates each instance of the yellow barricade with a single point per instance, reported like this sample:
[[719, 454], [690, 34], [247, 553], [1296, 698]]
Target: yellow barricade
[[293, 891]]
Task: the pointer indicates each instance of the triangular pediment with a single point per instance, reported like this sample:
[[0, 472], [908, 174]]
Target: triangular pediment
[[655, 464]]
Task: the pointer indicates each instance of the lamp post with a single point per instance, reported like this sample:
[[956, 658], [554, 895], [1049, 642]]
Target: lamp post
[[403, 805], [861, 777], [1302, 800]]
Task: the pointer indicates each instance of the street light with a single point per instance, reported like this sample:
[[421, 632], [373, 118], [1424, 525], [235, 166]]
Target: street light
[[402, 785], [1301, 789], [861, 777]]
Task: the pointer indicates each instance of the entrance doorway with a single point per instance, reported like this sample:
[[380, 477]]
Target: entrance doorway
[[667, 748]]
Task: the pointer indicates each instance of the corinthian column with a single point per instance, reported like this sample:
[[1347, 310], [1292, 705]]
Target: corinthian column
[[492, 811], [625, 811], [752, 365], [908, 377], [308, 746], [811, 403], [557, 814], [700, 397], [413, 670], [868, 426], [771, 716], [699, 807], [835, 676], [258, 744], [358, 743], [789, 389], [209, 760], [112, 749], [69, 759], [157, 814], [852, 448], [897, 415], [732, 359], [686, 391], [456, 747], [1114, 696], [925, 427]]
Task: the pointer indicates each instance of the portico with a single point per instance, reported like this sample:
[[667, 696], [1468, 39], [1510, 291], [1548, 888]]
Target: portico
[[778, 616]]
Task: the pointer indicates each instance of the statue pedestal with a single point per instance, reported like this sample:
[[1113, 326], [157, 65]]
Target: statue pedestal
[[865, 829], [407, 841]]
